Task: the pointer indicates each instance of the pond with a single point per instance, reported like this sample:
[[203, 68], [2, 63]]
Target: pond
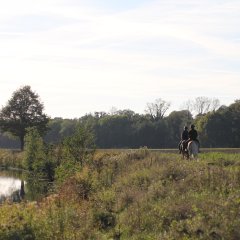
[[11, 185], [16, 185]]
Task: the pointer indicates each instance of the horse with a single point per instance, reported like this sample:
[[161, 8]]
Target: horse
[[193, 149], [183, 150]]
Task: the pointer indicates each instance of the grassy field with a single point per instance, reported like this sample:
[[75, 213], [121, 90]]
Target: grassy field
[[174, 150], [135, 194]]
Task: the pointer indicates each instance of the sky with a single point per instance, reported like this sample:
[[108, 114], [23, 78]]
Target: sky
[[82, 56]]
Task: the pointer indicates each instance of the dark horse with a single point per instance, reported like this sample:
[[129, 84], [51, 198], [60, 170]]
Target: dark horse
[[184, 149]]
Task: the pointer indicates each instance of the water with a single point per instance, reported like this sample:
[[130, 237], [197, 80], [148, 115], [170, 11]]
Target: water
[[16, 186], [11, 186], [8, 185]]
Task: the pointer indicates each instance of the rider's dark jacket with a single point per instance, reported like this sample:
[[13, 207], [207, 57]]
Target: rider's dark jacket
[[185, 135], [193, 134]]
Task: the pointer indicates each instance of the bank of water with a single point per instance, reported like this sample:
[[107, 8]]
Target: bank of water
[[12, 185], [16, 185]]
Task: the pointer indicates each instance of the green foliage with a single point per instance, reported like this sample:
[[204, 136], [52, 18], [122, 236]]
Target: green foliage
[[104, 220], [135, 195], [65, 170], [39, 163], [80, 145], [34, 153], [17, 223], [176, 122], [53, 135], [22, 111], [221, 128], [126, 129], [11, 159], [77, 150]]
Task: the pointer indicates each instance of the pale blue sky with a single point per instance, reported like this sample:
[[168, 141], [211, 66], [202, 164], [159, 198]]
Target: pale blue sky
[[85, 56]]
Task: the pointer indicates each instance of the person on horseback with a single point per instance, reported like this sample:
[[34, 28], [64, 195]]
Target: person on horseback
[[193, 134], [184, 137], [185, 134]]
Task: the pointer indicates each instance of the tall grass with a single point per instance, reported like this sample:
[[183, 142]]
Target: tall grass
[[11, 158], [136, 195]]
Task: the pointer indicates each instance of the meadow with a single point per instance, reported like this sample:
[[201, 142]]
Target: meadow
[[132, 194]]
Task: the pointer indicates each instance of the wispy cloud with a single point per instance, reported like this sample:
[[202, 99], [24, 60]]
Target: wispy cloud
[[143, 49]]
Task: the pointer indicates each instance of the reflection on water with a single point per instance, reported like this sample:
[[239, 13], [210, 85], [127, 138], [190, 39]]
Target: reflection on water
[[11, 186], [8, 185], [16, 186]]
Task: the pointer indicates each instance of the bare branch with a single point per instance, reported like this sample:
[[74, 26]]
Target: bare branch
[[157, 109]]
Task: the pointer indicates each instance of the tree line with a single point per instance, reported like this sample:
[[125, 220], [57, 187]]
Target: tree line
[[218, 126]]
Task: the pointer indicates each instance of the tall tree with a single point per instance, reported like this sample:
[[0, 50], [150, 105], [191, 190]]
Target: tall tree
[[176, 121], [157, 109], [22, 111], [220, 128], [203, 105]]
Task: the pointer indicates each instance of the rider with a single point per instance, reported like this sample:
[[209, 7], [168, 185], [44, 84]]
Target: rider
[[184, 137], [193, 134]]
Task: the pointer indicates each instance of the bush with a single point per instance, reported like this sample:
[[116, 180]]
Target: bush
[[124, 196]]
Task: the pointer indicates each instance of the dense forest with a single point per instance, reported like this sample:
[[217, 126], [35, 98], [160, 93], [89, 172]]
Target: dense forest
[[217, 127], [70, 190]]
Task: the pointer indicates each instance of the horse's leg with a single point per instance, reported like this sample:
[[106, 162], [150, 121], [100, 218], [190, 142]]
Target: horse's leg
[[185, 154]]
